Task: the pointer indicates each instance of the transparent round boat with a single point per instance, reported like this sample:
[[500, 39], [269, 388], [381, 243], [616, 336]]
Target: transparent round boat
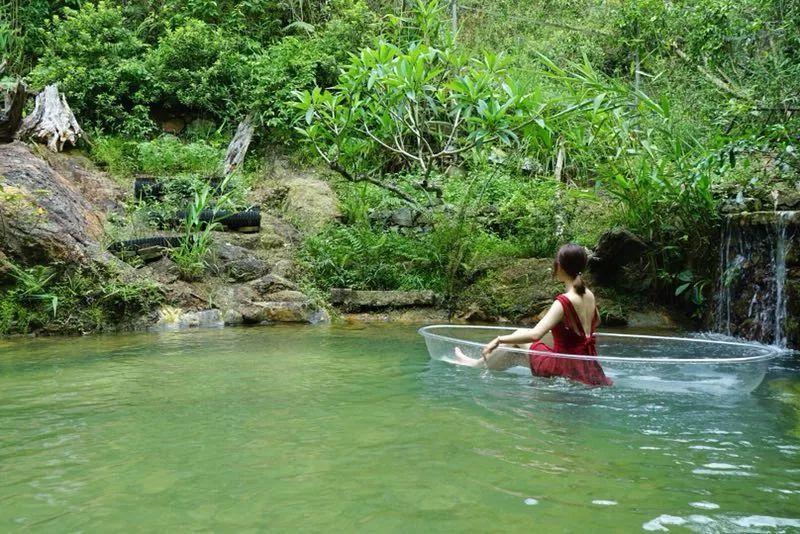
[[636, 361]]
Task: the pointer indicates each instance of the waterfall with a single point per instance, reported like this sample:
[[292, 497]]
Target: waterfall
[[752, 279]]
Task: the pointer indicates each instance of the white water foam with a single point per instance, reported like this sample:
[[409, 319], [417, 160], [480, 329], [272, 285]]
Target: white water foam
[[704, 505], [660, 522]]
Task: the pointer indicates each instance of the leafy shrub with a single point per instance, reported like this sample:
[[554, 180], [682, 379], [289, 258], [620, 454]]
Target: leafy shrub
[[199, 67], [361, 257], [414, 106], [261, 20], [292, 65], [95, 57], [298, 63], [165, 155]]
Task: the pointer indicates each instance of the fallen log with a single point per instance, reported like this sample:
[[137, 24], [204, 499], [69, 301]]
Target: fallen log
[[237, 149], [11, 114], [51, 121]]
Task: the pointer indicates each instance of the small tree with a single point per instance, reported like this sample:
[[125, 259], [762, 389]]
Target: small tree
[[414, 108]]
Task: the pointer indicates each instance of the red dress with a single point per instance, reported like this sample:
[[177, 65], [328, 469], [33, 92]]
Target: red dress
[[569, 338]]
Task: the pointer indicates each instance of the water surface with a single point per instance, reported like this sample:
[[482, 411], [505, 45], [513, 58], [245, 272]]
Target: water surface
[[355, 428]]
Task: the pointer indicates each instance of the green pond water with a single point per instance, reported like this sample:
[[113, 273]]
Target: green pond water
[[356, 429]]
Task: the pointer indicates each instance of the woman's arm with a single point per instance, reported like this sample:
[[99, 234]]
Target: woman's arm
[[528, 335]]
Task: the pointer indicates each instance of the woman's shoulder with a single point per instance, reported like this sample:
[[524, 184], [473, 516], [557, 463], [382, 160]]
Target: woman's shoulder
[[577, 300]]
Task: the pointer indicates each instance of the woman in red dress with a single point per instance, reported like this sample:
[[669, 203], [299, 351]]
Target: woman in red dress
[[572, 319]]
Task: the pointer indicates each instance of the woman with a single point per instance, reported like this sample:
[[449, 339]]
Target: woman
[[572, 319]]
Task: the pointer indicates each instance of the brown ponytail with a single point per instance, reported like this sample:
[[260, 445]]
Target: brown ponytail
[[578, 284], [572, 259]]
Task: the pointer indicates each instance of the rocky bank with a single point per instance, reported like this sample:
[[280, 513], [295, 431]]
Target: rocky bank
[[54, 209]]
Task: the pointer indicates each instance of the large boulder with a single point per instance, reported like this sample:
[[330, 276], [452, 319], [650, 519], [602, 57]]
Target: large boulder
[[303, 195], [240, 264], [270, 299], [516, 291], [616, 249], [103, 193], [43, 216]]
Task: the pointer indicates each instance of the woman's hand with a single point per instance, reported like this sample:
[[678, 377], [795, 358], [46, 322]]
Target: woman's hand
[[492, 345]]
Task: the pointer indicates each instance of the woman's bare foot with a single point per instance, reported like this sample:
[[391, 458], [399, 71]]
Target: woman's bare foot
[[463, 359]]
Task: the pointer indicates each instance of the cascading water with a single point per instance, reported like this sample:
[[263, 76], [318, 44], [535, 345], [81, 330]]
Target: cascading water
[[751, 290]]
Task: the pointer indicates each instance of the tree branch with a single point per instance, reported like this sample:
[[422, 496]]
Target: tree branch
[[347, 175], [720, 84]]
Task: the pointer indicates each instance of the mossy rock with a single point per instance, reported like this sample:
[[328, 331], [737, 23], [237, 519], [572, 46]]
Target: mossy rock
[[521, 290], [518, 292]]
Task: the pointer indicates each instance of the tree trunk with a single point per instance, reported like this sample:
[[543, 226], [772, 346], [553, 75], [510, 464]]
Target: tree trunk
[[559, 216], [11, 113], [237, 149], [51, 121]]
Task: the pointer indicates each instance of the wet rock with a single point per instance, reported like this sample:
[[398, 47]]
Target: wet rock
[[202, 319], [232, 317], [284, 312], [616, 249], [176, 319], [43, 216], [267, 301], [400, 316], [356, 300], [749, 279], [474, 314]]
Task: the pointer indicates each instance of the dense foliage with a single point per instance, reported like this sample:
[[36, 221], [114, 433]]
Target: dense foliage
[[540, 121]]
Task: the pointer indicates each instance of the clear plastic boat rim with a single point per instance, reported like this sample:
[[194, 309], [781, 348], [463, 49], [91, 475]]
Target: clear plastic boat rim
[[756, 352]]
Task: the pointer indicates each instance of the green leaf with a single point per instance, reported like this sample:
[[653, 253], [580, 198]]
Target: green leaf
[[682, 289]]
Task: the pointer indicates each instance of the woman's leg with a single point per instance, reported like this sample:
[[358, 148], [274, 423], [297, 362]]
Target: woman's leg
[[497, 360]]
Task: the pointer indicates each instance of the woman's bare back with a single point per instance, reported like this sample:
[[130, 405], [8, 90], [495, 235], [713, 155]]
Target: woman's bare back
[[585, 307]]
